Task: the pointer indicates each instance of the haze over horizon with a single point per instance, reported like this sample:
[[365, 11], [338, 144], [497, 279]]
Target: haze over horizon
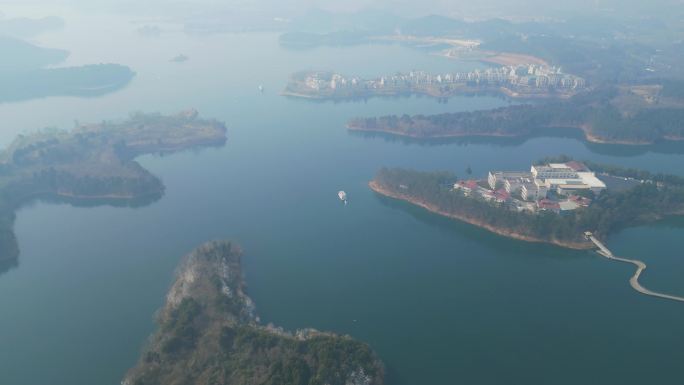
[[521, 10]]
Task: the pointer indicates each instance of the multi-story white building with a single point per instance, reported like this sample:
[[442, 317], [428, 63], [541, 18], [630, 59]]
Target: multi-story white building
[[562, 178], [553, 171], [509, 180], [566, 178], [534, 191]]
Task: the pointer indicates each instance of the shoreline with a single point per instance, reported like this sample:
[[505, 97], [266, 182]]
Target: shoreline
[[510, 58], [588, 136], [292, 94], [445, 136], [121, 197], [500, 92], [508, 234]]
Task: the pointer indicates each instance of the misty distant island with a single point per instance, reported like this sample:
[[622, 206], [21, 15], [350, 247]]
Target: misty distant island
[[24, 75], [179, 59], [93, 164], [149, 31], [556, 202], [209, 334], [594, 51], [29, 27], [20, 55]]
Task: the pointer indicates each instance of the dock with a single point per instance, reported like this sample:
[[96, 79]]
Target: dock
[[641, 266]]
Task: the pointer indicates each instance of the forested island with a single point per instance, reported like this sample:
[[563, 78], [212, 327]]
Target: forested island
[[629, 115], [209, 334], [92, 164], [654, 197]]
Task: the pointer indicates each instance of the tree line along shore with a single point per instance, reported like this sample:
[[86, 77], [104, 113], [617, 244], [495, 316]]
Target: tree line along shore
[[93, 164], [603, 117], [656, 197]]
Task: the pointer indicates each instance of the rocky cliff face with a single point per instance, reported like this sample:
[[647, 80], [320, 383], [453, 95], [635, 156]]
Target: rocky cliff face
[[209, 334]]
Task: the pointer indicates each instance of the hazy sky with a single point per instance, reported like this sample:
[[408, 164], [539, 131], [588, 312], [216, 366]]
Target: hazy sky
[[458, 8]]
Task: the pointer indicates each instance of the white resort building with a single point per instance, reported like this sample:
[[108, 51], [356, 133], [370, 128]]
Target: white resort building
[[562, 178]]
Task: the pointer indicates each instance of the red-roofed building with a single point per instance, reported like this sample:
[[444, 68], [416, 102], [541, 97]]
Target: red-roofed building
[[502, 195], [582, 201], [466, 185], [545, 204]]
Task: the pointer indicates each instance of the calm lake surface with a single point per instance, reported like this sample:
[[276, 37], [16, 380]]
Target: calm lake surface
[[440, 301]]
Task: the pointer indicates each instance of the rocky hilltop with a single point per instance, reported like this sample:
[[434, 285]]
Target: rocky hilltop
[[209, 334]]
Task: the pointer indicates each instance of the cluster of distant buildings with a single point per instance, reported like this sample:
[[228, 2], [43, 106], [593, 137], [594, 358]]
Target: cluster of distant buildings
[[530, 76], [558, 187]]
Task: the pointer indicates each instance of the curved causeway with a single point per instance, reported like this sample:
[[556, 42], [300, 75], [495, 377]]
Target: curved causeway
[[634, 281]]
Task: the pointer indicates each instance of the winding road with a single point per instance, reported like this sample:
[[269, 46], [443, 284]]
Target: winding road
[[634, 281]]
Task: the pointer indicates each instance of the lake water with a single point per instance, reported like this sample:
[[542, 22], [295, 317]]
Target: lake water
[[440, 301]]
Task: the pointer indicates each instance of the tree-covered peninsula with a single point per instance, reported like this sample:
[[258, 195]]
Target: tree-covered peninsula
[[636, 115], [92, 164], [651, 198], [209, 334]]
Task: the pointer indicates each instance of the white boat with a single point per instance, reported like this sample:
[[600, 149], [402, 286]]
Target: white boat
[[343, 196], [261, 88]]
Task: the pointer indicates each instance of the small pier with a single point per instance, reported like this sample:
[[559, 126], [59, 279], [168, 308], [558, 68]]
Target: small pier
[[634, 281]]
